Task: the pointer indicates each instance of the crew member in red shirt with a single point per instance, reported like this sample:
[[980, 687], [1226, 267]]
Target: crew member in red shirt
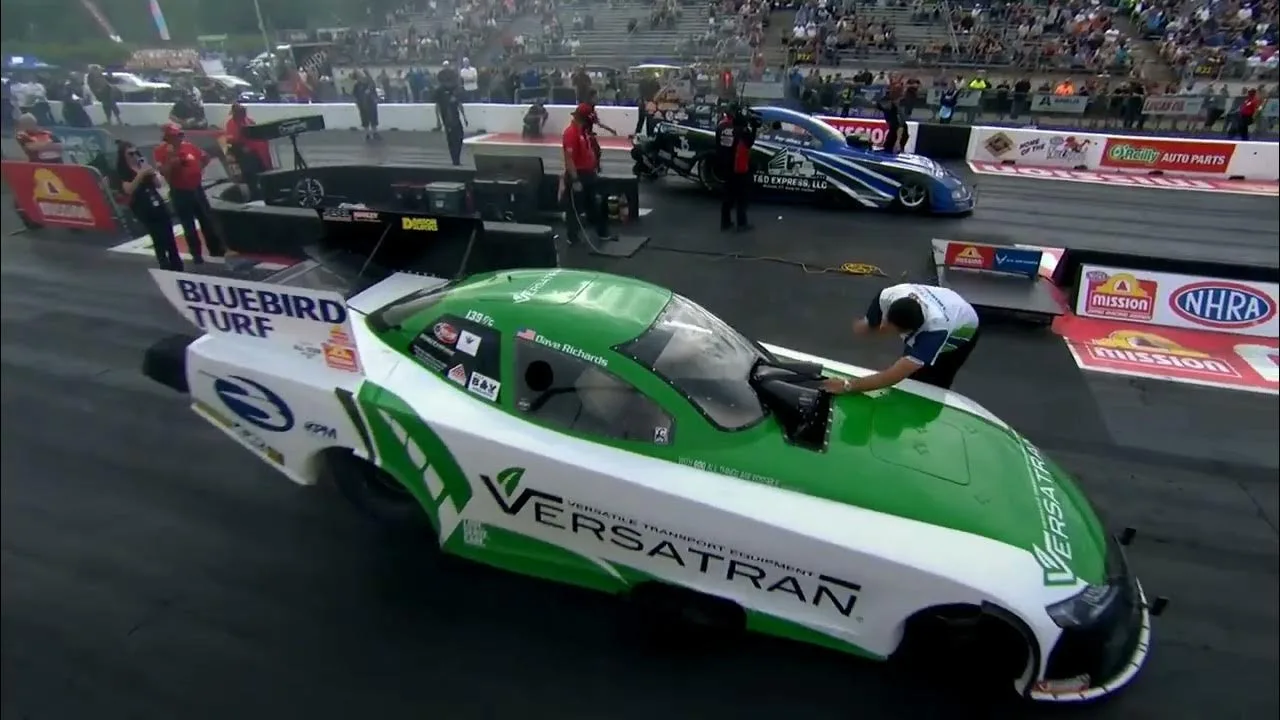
[[581, 176], [1245, 115], [40, 146], [253, 156], [182, 165], [734, 137]]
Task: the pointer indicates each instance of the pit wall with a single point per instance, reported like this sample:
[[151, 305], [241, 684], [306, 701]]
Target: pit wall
[[484, 117], [1132, 154]]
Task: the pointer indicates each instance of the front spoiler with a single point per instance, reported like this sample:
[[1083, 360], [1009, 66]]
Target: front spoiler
[[1065, 691], [1040, 693]]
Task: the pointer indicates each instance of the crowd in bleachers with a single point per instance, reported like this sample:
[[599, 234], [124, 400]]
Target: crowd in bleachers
[[1219, 38], [735, 32]]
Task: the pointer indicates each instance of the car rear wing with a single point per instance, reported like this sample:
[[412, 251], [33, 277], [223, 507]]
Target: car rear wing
[[311, 326]]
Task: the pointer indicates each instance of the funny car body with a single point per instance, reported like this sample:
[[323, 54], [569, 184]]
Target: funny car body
[[605, 432], [801, 157]]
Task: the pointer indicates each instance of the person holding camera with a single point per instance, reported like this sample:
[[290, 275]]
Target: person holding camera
[[142, 192], [734, 137]]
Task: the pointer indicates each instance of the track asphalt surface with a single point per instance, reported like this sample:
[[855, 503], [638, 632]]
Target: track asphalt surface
[[153, 570]]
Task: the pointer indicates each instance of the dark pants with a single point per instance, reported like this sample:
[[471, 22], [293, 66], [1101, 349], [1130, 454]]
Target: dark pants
[[160, 228], [589, 201], [453, 136], [368, 115], [943, 370], [734, 196], [192, 206]]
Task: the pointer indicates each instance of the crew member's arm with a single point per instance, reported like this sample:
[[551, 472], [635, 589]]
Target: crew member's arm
[[924, 350], [605, 127], [873, 321], [204, 158]]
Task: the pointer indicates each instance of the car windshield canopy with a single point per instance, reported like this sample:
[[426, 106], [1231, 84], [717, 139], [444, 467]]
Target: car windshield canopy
[[826, 133], [705, 359]]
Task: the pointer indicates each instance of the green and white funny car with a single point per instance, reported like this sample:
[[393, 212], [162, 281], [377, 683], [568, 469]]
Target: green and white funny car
[[608, 433]]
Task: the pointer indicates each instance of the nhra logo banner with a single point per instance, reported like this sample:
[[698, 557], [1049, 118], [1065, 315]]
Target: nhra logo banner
[[66, 196]]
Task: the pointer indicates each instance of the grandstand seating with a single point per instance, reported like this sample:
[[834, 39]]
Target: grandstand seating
[[609, 41]]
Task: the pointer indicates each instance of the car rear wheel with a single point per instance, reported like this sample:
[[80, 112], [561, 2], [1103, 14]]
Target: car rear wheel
[[669, 616], [977, 652], [913, 196], [707, 174], [374, 493]]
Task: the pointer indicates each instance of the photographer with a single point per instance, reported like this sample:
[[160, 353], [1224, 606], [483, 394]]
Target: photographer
[[141, 187], [734, 137]]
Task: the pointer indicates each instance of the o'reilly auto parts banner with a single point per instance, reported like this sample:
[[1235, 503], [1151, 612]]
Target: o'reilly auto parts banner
[[1179, 301], [1036, 148]]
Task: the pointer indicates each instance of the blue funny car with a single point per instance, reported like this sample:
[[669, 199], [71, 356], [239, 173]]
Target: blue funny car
[[800, 156]]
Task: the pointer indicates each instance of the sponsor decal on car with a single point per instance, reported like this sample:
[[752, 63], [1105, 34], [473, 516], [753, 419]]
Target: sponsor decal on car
[[445, 333], [1053, 552], [643, 544], [320, 430], [254, 403], [458, 374], [468, 343], [479, 318], [1122, 296], [570, 350], [1222, 305], [791, 170], [532, 291], [247, 436], [484, 386]]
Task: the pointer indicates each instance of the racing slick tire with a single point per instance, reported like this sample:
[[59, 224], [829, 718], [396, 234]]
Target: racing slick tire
[[374, 493], [707, 174], [912, 196], [973, 651], [665, 616]]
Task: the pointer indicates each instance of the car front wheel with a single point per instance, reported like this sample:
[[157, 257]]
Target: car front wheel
[[913, 196]]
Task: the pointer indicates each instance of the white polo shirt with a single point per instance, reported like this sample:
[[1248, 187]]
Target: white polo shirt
[[949, 320]]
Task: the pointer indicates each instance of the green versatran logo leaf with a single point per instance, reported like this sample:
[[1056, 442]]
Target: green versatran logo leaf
[[509, 479]]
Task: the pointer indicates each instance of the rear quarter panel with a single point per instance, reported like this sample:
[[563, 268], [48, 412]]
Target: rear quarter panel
[[265, 397]]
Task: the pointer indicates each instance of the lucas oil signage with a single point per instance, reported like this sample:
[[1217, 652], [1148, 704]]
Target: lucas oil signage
[[1179, 301]]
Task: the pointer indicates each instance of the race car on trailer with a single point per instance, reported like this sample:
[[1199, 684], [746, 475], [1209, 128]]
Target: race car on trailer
[[605, 432], [802, 157]]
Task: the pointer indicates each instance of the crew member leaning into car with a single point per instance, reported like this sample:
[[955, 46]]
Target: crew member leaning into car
[[939, 330]]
